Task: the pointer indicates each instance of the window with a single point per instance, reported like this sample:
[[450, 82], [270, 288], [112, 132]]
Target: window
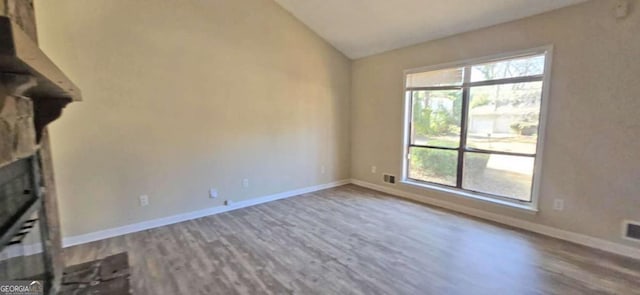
[[475, 127]]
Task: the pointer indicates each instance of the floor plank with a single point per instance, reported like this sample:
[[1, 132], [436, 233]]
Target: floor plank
[[352, 240]]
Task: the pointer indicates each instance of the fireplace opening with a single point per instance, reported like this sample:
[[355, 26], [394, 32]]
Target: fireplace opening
[[16, 192], [23, 255]]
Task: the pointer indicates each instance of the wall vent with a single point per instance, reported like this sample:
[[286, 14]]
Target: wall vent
[[388, 178], [632, 230]]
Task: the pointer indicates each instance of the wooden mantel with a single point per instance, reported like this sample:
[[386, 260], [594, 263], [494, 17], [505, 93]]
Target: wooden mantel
[[26, 71], [20, 55]]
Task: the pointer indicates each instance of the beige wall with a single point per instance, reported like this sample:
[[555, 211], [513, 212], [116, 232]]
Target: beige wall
[[181, 96], [592, 147]]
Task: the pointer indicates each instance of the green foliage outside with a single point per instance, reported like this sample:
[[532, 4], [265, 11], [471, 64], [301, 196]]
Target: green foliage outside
[[437, 162], [433, 120], [443, 163], [436, 121], [527, 126]]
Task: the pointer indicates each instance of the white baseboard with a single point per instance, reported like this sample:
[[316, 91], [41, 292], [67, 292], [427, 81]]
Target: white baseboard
[[136, 227], [526, 225]]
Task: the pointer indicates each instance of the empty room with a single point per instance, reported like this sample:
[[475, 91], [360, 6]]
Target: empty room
[[319, 147]]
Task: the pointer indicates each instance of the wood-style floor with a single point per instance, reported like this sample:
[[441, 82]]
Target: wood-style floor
[[351, 240]]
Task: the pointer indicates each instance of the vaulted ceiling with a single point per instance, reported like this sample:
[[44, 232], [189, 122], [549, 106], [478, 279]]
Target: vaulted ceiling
[[360, 28]]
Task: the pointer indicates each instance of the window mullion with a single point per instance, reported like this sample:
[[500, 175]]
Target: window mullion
[[463, 125]]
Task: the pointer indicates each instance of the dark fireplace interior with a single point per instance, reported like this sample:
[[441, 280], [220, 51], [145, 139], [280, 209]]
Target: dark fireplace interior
[[22, 253]]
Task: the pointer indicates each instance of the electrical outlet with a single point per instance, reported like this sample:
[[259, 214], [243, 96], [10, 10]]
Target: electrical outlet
[[245, 183], [558, 204], [144, 200], [323, 170], [373, 169], [213, 193]]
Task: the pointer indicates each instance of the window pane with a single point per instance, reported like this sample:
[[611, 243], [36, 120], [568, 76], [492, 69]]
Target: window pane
[[505, 117], [508, 176], [446, 77], [519, 67], [433, 165], [436, 118]]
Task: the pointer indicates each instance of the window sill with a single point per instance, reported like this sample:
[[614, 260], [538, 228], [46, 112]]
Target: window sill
[[528, 208]]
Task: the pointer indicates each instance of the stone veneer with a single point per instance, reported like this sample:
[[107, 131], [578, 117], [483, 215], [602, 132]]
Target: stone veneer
[[17, 131]]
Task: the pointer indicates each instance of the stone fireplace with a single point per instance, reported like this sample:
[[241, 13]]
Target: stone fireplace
[[33, 92]]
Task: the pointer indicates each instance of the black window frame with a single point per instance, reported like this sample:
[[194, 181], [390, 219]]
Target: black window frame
[[462, 148]]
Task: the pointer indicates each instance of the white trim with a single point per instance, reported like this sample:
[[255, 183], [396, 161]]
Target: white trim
[[406, 129], [542, 127], [581, 239], [547, 50], [479, 60], [456, 192], [149, 224]]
